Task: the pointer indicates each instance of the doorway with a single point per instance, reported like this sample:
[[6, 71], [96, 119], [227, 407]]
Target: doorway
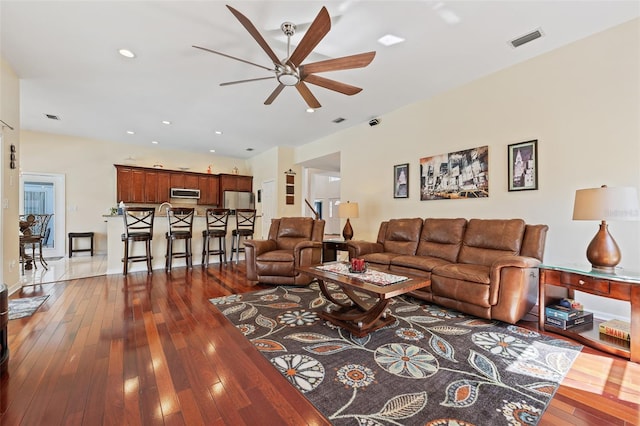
[[44, 193], [268, 206]]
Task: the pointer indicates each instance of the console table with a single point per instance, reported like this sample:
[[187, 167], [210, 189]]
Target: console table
[[557, 282]]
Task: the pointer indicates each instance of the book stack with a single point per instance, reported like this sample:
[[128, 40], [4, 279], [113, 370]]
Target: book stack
[[616, 328], [564, 317]]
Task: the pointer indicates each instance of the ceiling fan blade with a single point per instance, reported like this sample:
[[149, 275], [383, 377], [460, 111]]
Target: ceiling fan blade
[[311, 100], [233, 57], [318, 29], [274, 94], [255, 34], [346, 89], [346, 62], [229, 83]]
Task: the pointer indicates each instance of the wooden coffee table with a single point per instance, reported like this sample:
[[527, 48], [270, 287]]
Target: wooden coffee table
[[361, 315]]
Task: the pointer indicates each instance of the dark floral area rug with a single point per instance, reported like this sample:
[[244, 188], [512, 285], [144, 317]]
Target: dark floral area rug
[[25, 307], [433, 366]]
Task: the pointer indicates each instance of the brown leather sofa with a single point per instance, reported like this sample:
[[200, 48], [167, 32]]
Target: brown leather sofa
[[484, 267], [292, 242]]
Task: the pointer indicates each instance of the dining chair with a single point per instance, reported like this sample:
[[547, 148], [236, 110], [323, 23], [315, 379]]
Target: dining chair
[[34, 231]]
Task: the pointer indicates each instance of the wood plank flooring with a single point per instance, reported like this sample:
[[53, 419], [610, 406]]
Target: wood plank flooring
[[151, 349]]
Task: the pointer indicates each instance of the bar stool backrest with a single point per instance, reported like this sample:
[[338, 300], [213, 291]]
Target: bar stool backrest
[[180, 219], [217, 220], [138, 221], [245, 221]]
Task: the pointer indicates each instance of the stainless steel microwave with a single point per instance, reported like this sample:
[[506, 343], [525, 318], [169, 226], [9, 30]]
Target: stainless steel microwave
[[184, 193]]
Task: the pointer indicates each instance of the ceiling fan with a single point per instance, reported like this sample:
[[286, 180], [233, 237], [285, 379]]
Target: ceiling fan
[[290, 71]]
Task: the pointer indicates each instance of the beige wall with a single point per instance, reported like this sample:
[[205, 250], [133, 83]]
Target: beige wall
[[90, 177], [581, 102], [10, 114]]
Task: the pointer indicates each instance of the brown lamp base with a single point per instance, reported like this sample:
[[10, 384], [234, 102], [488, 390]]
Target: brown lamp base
[[603, 252], [347, 232]]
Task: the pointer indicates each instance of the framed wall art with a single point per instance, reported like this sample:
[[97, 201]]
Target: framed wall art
[[523, 166], [401, 181], [461, 174]]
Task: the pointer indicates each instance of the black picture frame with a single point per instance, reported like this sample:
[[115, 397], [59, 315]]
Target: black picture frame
[[401, 180], [523, 166]]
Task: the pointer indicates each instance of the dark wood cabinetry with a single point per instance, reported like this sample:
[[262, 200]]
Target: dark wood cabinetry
[[209, 189], [164, 187], [146, 185], [123, 177], [236, 183]]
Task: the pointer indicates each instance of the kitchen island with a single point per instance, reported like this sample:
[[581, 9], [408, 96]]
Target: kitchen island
[[115, 246]]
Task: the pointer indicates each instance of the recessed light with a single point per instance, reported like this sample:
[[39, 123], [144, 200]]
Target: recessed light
[[390, 40], [154, 142], [310, 110], [166, 122], [131, 132], [212, 150], [127, 53], [218, 132]]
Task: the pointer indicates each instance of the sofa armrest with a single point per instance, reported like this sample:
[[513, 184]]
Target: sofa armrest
[[360, 248], [307, 253], [498, 270], [304, 245], [261, 246]]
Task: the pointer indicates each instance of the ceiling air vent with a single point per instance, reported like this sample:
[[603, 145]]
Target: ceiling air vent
[[339, 120], [52, 117], [526, 38]]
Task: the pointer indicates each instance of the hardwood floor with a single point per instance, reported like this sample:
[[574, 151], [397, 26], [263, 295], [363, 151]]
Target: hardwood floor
[[151, 349]]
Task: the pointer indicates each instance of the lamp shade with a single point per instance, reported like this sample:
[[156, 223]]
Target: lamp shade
[[348, 210], [616, 203]]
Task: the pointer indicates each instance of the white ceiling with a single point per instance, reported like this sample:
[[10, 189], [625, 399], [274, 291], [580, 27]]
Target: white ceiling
[[66, 55]]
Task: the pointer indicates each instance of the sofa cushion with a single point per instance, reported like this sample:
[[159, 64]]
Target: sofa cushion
[[441, 238], [292, 230], [464, 272], [402, 236], [422, 263], [486, 240], [276, 263], [380, 258]]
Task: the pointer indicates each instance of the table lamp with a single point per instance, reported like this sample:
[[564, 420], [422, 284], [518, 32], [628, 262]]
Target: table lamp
[[620, 203], [347, 210]]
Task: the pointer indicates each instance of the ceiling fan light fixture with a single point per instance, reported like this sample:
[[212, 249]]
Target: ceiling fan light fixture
[[288, 76]]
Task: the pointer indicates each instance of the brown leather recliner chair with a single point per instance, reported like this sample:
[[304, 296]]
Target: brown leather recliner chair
[[293, 242]]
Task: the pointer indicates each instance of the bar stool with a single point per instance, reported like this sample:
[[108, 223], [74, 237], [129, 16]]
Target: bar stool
[[245, 223], [180, 221], [138, 226], [217, 220]]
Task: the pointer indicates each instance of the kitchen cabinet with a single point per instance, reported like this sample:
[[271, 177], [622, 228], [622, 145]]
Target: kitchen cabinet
[[191, 180], [164, 186], [150, 187], [137, 186], [123, 177], [177, 180], [236, 183], [209, 190]]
